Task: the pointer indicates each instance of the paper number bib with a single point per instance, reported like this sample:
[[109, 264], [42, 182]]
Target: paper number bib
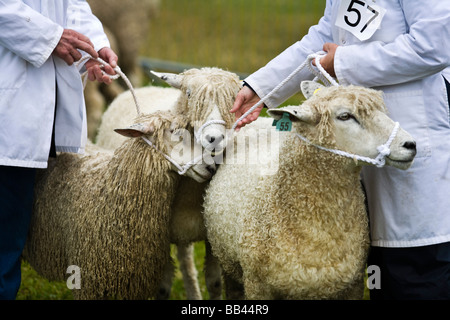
[[360, 17]]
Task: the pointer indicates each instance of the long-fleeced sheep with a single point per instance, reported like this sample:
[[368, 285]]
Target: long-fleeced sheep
[[108, 212], [201, 95], [302, 233]]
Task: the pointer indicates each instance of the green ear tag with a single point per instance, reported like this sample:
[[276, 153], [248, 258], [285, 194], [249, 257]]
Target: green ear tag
[[284, 124]]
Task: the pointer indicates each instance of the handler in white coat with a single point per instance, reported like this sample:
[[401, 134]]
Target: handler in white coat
[[402, 48], [41, 96]]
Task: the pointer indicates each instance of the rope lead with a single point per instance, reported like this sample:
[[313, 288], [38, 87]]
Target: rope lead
[[322, 75], [112, 77]]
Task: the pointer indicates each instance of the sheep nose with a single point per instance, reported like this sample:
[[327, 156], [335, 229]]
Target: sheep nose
[[211, 139], [410, 145]]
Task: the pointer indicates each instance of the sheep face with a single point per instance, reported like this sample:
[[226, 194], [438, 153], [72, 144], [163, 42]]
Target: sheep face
[[208, 95], [353, 121], [168, 135]]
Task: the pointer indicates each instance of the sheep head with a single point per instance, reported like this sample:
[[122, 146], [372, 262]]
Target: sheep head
[[208, 95], [352, 119], [167, 133]]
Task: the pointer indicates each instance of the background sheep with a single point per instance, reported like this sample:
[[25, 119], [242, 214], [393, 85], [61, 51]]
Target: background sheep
[[108, 212], [302, 233], [126, 24], [200, 95]]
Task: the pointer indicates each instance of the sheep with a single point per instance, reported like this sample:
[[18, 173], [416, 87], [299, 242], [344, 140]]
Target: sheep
[[107, 212], [302, 233], [201, 95]]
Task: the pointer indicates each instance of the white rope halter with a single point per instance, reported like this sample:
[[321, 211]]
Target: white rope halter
[[112, 77], [181, 169], [383, 150], [322, 75]]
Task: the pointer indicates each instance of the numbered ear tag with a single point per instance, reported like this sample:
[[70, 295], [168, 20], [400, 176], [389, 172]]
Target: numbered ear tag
[[284, 124], [360, 17]]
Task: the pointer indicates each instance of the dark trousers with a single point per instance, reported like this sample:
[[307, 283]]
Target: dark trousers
[[418, 273], [16, 202]]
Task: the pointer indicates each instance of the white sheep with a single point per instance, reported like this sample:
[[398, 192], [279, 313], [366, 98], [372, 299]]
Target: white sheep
[[108, 212], [302, 233], [202, 95]]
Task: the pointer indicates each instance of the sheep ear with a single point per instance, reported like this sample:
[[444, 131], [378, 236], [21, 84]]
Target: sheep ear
[[174, 80], [136, 130], [310, 87], [300, 113]]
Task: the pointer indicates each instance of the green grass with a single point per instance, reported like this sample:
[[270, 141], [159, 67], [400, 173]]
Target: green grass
[[238, 35], [35, 287]]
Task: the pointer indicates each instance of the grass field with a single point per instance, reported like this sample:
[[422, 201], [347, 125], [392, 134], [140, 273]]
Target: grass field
[[34, 287], [237, 35]]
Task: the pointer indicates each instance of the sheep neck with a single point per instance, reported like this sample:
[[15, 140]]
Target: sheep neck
[[315, 218], [136, 168], [329, 178]]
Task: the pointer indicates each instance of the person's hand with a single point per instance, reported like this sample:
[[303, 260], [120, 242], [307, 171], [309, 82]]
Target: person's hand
[[327, 62], [94, 69], [71, 41], [246, 99]]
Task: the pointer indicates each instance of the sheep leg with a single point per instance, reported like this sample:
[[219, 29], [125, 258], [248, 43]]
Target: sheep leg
[[213, 274], [166, 282], [185, 257], [234, 290]]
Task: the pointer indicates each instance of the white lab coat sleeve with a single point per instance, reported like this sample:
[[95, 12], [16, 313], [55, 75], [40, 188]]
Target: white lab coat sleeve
[[278, 69], [419, 53], [80, 18], [27, 33]]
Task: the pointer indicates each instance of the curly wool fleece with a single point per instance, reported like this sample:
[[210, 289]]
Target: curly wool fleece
[[303, 232]]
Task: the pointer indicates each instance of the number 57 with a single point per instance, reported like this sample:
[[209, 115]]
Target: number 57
[[351, 8]]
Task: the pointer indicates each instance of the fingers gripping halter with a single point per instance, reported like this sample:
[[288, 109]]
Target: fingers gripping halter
[[181, 169], [321, 74], [112, 77]]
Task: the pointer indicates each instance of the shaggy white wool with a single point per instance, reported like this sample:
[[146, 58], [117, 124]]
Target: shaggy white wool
[[200, 91]]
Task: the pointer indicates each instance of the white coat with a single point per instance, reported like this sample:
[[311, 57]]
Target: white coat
[[33, 82], [407, 57]]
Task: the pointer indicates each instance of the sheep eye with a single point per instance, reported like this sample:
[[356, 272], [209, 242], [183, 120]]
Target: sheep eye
[[188, 93], [345, 116]]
